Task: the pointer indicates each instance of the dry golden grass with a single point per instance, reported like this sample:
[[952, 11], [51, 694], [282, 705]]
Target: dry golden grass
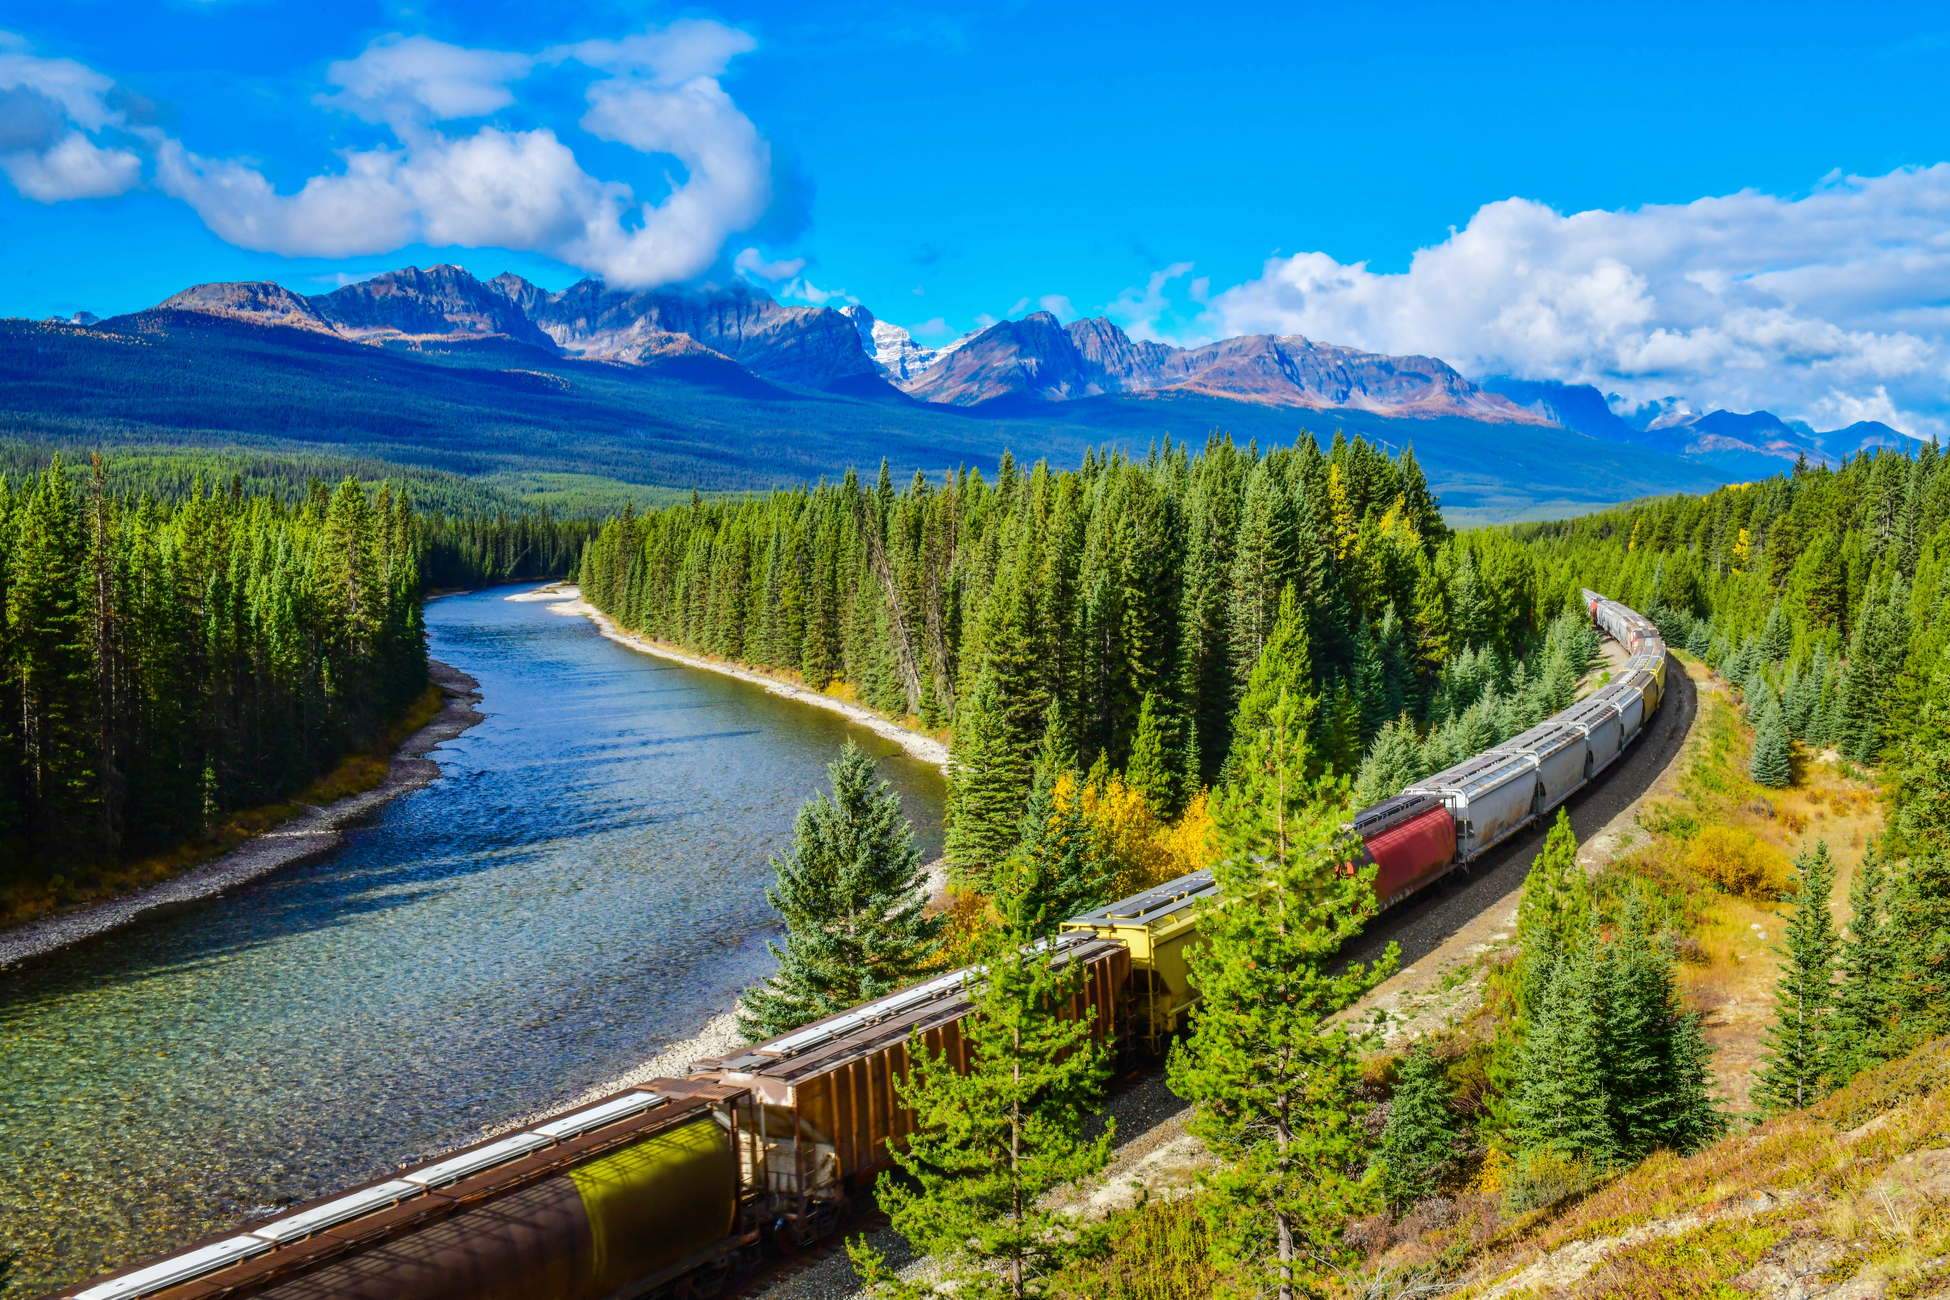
[[356, 774]]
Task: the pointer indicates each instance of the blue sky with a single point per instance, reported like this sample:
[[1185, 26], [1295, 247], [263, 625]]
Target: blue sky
[[1764, 221]]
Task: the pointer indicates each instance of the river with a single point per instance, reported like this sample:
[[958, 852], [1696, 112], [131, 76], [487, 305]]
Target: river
[[583, 885]]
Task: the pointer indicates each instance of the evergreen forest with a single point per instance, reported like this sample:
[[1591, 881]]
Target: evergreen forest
[[173, 651], [1116, 611]]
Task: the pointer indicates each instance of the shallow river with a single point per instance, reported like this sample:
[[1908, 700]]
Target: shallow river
[[583, 885]]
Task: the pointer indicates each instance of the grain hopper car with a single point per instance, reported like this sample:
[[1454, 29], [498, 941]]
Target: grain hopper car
[[672, 1188]]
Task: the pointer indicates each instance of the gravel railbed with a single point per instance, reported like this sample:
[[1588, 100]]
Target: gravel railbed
[[306, 837]]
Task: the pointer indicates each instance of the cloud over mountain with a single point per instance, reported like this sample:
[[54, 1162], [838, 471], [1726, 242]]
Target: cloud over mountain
[[58, 128], [655, 92], [1832, 306]]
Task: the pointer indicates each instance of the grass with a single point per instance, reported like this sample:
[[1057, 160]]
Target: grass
[[354, 774]]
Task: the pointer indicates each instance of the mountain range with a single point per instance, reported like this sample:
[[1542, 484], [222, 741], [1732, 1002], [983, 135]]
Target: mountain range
[[724, 388], [1752, 444], [1036, 359]]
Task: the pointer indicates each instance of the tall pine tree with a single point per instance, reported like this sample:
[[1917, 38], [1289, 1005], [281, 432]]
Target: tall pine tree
[[853, 894], [1790, 1077], [1273, 1082], [989, 1145]]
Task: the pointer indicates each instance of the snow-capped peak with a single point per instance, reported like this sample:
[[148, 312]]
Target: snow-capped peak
[[892, 348]]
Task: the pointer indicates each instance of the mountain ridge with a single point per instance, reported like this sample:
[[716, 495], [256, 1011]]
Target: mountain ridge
[[1037, 358]]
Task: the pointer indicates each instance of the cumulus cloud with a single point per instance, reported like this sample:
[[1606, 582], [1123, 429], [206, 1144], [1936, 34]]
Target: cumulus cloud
[[1058, 305], [403, 79], [1831, 307], [507, 188], [57, 129]]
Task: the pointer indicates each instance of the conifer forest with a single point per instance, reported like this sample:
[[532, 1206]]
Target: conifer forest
[[172, 656]]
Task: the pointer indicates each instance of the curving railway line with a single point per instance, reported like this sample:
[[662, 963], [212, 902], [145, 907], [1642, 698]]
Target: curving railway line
[[679, 1187]]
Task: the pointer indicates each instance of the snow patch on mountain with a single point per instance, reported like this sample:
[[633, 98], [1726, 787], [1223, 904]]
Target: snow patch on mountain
[[893, 349]]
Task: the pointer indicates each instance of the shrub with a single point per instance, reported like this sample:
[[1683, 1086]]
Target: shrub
[[1668, 819], [1542, 1177], [1736, 861]]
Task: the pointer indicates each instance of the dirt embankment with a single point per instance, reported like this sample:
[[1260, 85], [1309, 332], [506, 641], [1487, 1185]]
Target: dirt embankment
[[306, 837]]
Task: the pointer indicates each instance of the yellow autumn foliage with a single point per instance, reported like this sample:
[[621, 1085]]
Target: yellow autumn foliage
[[1141, 850], [1739, 862]]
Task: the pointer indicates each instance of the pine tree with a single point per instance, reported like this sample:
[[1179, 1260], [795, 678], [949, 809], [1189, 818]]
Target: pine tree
[[987, 1146], [852, 892], [1857, 1021], [1418, 1143], [1058, 870], [1394, 762], [1274, 1086], [1692, 1120], [1772, 763], [1285, 668], [1560, 1102], [1790, 1077], [1553, 912], [1148, 772]]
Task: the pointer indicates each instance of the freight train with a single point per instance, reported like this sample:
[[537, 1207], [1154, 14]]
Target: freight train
[[674, 1188]]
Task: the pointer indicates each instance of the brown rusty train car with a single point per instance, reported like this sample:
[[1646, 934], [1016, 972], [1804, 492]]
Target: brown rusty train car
[[828, 1089], [665, 1190]]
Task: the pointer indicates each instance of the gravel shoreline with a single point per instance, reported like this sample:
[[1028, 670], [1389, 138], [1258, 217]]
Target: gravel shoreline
[[306, 837], [568, 600]]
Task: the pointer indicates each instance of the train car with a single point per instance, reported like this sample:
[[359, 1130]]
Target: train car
[[1596, 718], [832, 1084], [1410, 840], [645, 1193], [1153, 927], [1559, 752], [1490, 797]]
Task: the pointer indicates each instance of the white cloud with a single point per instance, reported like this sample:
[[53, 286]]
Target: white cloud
[[1142, 312], [505, 188], [51, 110], [668, 56], [933, 327], [409, 78], [805, 290], [752, 263], [1828, 306], [1058, 305]]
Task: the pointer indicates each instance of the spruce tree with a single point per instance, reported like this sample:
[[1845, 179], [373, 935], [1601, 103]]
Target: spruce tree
[[1058, 870], [1772, 763], [1418, 1143], [1273, 1083], [1790, 1077], [853, 892], [1553, 912], [1149, 772], [1560, 1103], [1394, 762], [1284, 669], [989, 1145], [1857, 1021]]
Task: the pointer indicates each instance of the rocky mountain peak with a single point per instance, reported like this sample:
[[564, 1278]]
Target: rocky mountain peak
[[257, 301], [442, 301]]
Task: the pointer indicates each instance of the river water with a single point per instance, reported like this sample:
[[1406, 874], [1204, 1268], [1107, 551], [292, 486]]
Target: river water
[[583, 885]]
